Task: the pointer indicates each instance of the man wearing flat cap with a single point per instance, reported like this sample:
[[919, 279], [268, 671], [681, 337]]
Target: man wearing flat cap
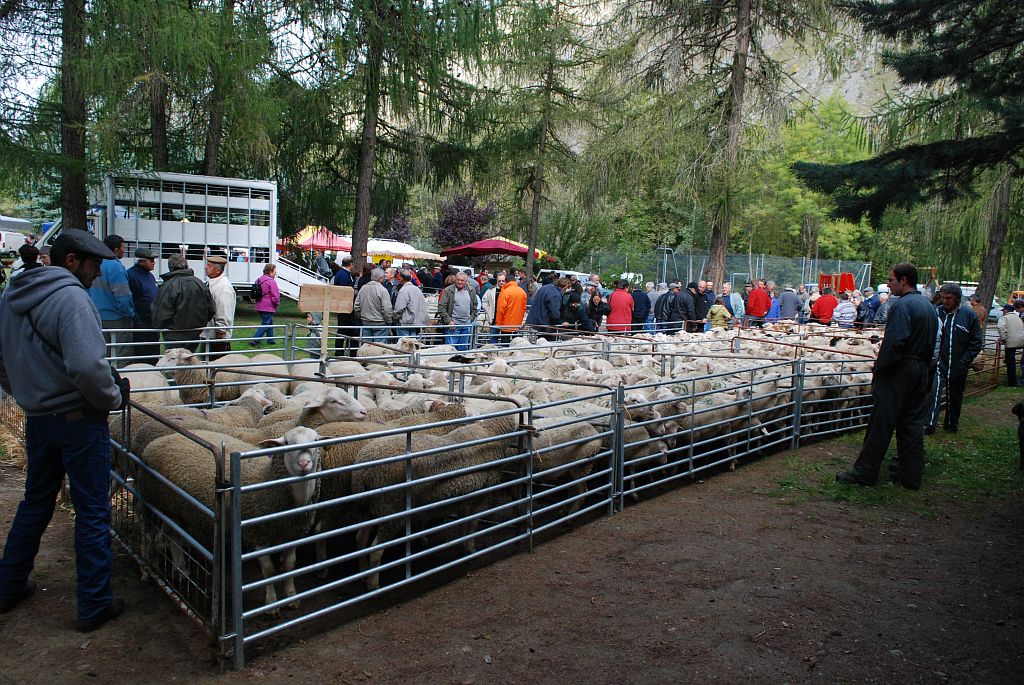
[[52, 362], [143, 286], [218, 330], [182, 306]]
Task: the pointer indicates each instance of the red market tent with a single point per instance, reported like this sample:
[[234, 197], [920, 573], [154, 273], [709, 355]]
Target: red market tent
[[495, 245], [317, 238], [325, 239]]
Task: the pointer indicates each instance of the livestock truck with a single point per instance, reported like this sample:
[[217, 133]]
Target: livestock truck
[[196, 216]]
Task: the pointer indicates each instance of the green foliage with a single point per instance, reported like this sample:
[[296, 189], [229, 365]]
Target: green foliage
[[782, 216], [964, 62]]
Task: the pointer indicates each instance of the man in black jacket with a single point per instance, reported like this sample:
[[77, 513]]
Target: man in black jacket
[[686, 305], [183, 305], [902, 376], [961, 339]]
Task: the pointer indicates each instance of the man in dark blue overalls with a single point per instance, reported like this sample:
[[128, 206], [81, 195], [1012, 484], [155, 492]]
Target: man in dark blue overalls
[[902, 376]]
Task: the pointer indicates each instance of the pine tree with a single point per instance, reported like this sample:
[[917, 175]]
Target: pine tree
[[963, 63]]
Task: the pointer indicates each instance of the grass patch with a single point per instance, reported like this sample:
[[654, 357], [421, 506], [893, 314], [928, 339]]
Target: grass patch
[[979, 462]]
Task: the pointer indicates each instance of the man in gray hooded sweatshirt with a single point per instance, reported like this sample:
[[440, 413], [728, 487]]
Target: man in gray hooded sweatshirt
[[51, 361]]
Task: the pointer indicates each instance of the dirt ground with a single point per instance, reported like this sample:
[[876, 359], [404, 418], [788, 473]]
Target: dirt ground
[[722, 580]]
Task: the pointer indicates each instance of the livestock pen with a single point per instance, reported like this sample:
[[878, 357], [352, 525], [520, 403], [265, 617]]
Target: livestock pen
[[407, 504]]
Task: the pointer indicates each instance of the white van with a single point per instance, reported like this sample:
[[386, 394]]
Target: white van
[[10, 241]]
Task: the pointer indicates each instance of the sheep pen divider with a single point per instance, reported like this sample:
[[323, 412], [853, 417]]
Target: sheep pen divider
[[537, 489]]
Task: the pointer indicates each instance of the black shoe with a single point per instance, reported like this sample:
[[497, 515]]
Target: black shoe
[[929, 430], [848, 478], [113, 610], [11, 602], [896, 480], [951, 429]]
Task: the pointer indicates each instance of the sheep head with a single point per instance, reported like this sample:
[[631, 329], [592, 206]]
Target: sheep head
[[336, 405], [259, 394], [301, 461], [177, 356]]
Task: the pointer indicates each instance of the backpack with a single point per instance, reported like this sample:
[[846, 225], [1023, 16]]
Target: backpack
[[256, 291]]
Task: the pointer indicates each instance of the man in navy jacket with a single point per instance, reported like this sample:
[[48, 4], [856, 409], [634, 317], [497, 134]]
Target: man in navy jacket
[[961, 339]]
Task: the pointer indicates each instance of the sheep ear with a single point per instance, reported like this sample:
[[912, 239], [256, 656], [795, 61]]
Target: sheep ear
[[309, 411], [272, 442]]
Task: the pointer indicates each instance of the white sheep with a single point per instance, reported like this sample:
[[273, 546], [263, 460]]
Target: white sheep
[[380, 475], [192, 468], [146, 377]]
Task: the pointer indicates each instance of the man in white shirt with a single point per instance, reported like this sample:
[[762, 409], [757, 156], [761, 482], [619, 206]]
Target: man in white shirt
[[218, 329]]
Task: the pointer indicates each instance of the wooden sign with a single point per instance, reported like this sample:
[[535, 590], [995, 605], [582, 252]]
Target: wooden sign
[[315, 297]]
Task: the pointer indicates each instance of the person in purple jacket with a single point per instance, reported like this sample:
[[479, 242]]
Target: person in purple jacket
[[267, 305]]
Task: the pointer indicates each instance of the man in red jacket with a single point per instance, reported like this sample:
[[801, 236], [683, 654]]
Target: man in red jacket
[[824, 306], [758, 304]]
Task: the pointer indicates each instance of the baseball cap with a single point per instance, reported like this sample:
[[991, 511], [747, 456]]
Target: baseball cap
[[81, 243]]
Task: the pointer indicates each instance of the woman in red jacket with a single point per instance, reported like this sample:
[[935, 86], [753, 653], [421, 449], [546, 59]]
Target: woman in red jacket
[[621, 304]]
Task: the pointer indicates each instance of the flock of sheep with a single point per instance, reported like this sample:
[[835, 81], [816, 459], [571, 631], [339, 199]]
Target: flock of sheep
[[558, 419]]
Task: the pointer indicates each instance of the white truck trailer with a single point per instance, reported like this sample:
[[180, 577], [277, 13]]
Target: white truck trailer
[[197, 216]]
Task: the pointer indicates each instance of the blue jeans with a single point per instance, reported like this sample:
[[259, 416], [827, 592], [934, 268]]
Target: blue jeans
[[375, 334], [458, 336], [407, 332], [76, 443], [266, 327], [649, 323]]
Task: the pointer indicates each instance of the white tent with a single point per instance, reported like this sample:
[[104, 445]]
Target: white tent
[[9, 223]]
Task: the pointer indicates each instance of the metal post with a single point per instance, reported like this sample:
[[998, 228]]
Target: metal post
[[618, 455], [236, 559], [529, 478], [799, 369], [408, 504]]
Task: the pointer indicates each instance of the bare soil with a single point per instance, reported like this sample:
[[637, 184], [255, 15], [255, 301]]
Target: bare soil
[[721, 580]]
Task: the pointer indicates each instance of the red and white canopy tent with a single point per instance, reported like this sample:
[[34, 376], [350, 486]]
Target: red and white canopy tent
[[325, 240], [496, 245]]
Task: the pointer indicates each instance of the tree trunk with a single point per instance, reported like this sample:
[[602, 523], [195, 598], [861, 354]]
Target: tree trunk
[[73, 205], [367, 154], [992, 260], [218, 98], [810, 235], [722, 216], [538, 174], [158, 120]]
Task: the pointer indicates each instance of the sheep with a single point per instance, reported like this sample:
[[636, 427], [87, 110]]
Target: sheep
[[339, 484], [565, 452], [180, 357], [146, 376], [192, 468], [243, 412], [273, 364], [335, 406], [380, 475]]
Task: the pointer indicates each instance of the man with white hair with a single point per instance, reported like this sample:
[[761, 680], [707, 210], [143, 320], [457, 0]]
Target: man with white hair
[[733, 302], [456, 309], [218, 329], [373, 305]]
